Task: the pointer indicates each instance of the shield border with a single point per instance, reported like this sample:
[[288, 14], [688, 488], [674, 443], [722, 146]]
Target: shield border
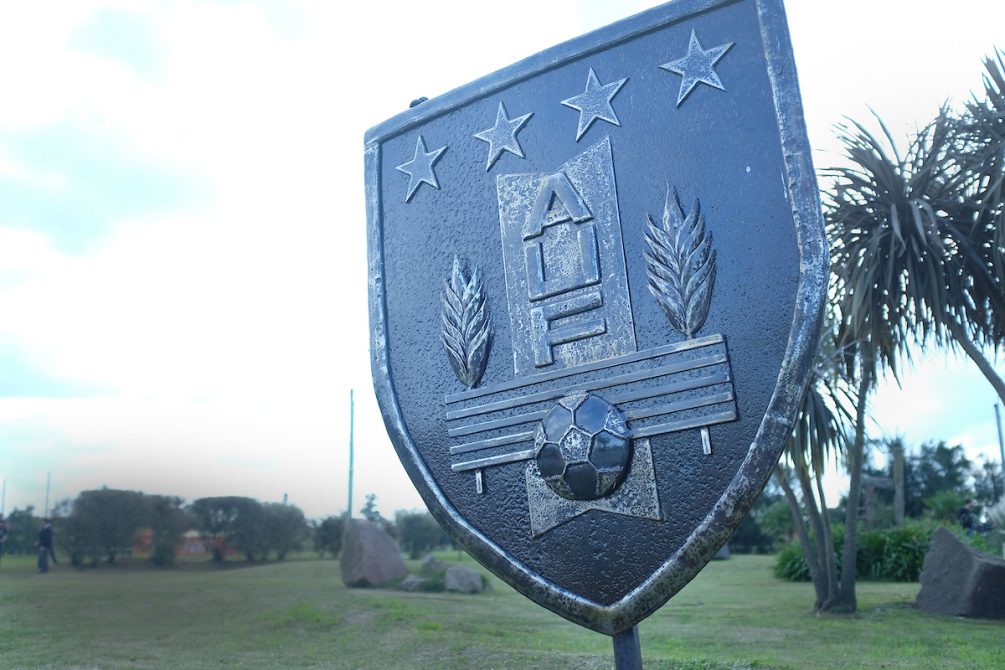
[[801, 188]]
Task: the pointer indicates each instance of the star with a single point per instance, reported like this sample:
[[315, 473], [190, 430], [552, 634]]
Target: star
[[595, 103], [420, 168], [502, 136], [697, 67]]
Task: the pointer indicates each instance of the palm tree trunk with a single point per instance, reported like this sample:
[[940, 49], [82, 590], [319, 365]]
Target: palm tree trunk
[[846, 600], [978, 357], [818, 523], [809, 550], [828, 542]]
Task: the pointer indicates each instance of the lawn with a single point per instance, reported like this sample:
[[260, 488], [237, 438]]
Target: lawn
[[297, 614]]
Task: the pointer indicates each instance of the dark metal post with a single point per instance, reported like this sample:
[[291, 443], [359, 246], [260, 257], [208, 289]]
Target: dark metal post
[[348, 513], [48, 483], [628, 650]]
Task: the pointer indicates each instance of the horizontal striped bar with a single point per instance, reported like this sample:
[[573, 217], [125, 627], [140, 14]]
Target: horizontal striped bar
[[684, 424], [667, 389], [679, 406], [504, 422], [615, 398], [607, 382], [648, 431], [494, 442], [541, 377], [493, 460]]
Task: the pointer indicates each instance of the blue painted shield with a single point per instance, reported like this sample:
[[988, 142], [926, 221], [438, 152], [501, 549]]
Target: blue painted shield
[[596, 280]]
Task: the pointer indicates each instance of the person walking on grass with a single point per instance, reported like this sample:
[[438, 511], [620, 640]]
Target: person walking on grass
[[967, 517], [45, 546]]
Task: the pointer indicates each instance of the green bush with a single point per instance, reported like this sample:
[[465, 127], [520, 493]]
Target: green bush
[[894, 554], [886, 554], [791, 563]]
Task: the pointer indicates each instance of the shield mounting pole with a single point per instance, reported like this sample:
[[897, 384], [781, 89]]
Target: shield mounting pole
[[628, 650]]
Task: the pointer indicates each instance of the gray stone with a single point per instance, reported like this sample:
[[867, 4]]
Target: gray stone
[[960, 581], [370, 557], [413, 583], [464, 580], [432, 564]]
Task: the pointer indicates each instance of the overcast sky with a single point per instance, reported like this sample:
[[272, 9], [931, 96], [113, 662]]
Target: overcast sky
[[182, 233]]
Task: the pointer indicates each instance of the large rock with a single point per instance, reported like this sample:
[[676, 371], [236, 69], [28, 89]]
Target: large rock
[[413, 583], [463, 579], [370, 557], [432, 564], [961, 581]]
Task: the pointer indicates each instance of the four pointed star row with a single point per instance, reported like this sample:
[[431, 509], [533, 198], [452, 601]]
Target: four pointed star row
[[695, 67]]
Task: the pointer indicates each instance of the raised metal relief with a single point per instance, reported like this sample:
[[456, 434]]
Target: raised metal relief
[[626, 343], [465, 329], [681, 265], [697, 66]]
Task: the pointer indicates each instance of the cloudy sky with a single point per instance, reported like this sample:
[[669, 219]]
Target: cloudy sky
[[182, 232]]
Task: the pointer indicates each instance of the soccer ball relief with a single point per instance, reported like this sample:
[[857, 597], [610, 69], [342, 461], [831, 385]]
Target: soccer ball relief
[[582, 447]]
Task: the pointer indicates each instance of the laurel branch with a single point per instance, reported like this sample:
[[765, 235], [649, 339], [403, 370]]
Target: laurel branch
[[681, 265], [465, 328]]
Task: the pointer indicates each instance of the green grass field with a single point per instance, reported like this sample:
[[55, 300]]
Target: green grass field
[[297, 614]]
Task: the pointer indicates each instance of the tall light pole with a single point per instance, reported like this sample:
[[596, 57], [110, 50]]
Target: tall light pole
[[351, 413], [48, 483]]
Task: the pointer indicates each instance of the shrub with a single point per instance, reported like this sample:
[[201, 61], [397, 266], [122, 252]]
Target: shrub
[[791, 563], [886, 554], [894, 554]]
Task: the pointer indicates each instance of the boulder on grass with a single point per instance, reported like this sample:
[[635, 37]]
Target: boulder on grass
[[370, 557], [432, 564], [960, 581], [463, 579]]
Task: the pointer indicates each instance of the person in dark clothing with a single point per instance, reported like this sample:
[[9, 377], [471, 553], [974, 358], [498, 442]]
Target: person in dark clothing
[[45, 547], [966, 516]]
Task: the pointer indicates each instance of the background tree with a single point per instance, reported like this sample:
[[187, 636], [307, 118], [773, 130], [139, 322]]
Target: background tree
[[221, 517], [22, 531], [373, 515], [418, 532], [167, 520], [328, 535], [285, 528], [988, 482], [104, 520], [763, 527]]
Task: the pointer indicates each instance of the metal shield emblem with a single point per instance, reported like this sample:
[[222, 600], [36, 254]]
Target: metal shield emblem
[[596, 280]]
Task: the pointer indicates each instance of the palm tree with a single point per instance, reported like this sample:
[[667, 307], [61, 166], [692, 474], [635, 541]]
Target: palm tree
[[912, 266], [979, 156]]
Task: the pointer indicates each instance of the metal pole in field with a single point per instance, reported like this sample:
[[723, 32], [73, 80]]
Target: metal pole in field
[[3, 499], [628, 650], [48, 483], [349, 505], [1001, 443]]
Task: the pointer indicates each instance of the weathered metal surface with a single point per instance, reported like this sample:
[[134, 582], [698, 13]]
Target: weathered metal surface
[[596, 284]]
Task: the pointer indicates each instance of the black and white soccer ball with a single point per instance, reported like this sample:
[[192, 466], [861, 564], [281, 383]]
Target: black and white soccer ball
[[582, 447]]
